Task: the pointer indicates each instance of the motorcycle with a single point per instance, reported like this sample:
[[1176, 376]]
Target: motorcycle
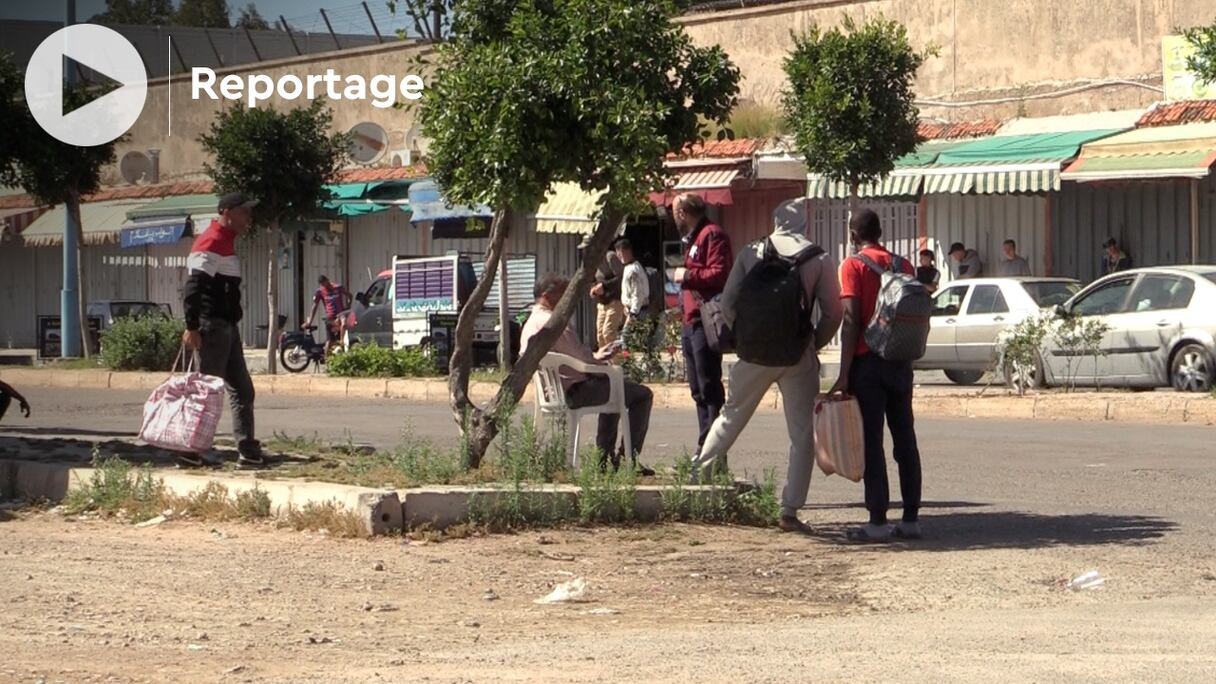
[[299, 348]]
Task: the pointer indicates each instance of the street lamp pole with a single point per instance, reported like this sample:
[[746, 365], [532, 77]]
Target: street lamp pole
[[69, 301]]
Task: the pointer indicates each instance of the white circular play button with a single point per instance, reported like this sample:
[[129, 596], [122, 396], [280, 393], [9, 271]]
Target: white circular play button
[[103, 51]]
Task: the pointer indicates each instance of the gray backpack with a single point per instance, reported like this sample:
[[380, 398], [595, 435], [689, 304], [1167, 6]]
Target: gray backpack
[[900, 326]]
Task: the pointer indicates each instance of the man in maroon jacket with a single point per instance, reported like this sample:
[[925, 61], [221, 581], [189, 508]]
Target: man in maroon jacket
[[707, 263]]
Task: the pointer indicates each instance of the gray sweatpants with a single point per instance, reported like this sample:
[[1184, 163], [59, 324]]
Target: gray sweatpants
[[223, 356], [748, 383]]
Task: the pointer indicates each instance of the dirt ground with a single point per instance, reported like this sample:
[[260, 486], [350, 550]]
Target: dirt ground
[[86, 600]]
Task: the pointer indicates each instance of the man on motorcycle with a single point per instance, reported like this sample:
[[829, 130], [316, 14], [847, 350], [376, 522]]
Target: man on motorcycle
[[336, 299]]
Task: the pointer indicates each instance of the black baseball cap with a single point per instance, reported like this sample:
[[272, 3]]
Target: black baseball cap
[[236, 199]]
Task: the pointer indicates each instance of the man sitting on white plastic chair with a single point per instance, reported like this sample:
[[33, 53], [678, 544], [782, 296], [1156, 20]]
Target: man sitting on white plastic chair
[[583, 390]]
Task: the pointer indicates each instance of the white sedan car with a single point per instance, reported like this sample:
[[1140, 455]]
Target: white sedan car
[[1162, 331], [969, 315]]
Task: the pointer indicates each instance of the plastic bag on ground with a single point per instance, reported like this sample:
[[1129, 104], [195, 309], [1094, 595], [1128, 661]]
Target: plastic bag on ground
[[566, 592], [839, 438]]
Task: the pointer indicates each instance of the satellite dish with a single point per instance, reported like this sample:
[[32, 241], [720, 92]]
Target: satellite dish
[[135, 167], [368, 142]]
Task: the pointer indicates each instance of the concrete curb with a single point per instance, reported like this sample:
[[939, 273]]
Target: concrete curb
[[443, 506], [1155, 408], [378, 510]]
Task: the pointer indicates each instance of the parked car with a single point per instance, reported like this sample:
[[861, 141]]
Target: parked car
[[969, 315], [1162, 332], [109, 310]]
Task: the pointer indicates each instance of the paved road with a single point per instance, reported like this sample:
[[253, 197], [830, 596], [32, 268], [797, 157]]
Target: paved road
[[1042, 466]]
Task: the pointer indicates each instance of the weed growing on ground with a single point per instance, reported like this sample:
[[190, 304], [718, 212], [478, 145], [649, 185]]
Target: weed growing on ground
[[111, 490], [607, 495], [328, 517], [759, 506], [116, 488]]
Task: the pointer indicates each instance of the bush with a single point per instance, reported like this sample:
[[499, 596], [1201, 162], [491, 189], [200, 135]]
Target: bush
[[147, 343], [371, 361]]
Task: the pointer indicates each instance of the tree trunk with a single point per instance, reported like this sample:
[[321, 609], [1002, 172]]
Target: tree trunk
[[467, 415], [73, 206], [481, 428], [504, 316], [272, 300]]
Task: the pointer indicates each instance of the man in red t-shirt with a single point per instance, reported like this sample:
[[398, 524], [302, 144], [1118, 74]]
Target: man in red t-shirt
[[336, 299], [883, 388]]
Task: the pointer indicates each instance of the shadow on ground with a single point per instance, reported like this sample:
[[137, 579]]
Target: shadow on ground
[[968, 531], [80, 451]]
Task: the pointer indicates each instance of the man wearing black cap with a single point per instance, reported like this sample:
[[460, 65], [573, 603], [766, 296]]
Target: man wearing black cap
[[212, 296]]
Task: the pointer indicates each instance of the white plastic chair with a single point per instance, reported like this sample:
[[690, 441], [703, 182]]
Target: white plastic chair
[[551, 397]]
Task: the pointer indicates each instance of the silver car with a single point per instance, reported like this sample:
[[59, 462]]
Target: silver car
[[1162, 331], [969, 315]]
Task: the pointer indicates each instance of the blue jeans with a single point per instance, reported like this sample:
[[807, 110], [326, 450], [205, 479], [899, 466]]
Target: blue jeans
[[884, 392], [703, 369]]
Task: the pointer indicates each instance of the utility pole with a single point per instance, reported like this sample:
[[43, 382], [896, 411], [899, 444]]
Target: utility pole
[[69, 299]]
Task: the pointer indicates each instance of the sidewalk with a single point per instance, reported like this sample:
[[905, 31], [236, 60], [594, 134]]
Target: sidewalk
[[936, 402]]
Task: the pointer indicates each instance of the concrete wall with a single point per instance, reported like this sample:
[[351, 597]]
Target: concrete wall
[[182, 155], [987, 48]]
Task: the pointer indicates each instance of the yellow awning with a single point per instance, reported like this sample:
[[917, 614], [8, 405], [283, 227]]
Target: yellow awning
[[568, 209], [101, 220]]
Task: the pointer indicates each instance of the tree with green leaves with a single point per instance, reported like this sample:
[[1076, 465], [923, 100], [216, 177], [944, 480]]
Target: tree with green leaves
[[52, 172], [431, 19], [849, 99], [1203, 62], [203, 14], [16, 117], [526, 95], [136, 12], [250, 18], [282, 159]]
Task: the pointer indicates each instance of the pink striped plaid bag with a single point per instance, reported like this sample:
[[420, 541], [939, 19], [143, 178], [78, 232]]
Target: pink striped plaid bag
[[184, 412], [839, 439]]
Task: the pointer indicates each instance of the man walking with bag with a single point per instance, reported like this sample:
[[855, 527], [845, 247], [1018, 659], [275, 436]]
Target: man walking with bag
[[769, 298], [876, 356], [212, 298], [707, 264]]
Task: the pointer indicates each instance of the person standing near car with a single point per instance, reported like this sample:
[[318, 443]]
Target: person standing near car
[[1115, 259], [966, 263], [336, 299], [212, 298], [609, 311], [927, 274], [707, 263], [1012, 265], [883, 388]]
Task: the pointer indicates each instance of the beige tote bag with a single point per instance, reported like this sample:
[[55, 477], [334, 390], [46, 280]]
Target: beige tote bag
[[839, 439]]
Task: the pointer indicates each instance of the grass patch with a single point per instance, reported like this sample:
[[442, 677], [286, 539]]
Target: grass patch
[[328, 517], [118, 489]]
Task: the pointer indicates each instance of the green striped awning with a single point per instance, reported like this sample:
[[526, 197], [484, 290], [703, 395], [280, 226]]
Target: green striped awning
[[994, 179], [895, 185]]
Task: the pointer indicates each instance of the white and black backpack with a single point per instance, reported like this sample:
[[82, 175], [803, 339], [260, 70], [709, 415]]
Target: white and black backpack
[[899, 329]]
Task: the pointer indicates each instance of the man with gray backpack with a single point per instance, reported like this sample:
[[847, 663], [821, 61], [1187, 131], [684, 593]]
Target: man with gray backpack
[[886, 325], [774, 287]]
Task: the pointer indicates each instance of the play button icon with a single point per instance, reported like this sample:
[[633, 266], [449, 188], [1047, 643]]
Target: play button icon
[[103, 51]]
